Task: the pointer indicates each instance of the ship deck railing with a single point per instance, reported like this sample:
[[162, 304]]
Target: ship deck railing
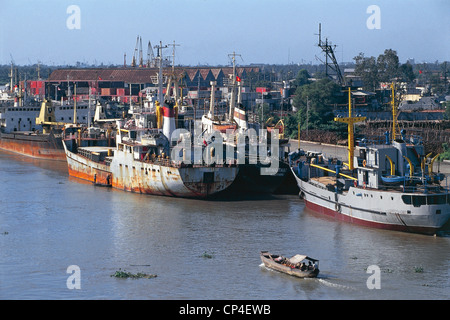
[[380, 141], [425, 189]]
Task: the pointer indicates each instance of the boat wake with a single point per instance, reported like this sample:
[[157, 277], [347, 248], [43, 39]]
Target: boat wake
[[334, 285]]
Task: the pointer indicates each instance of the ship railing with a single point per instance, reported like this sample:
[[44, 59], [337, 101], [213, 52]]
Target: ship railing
[[419, 188], [381, 140], [424, 189]]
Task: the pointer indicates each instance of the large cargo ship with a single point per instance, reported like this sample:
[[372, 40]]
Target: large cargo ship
[[34, 131], [44, 144], [140, 163], [242, 136], [388, 185]]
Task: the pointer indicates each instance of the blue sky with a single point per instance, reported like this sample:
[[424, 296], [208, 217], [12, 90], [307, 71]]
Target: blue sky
[[261, 31]]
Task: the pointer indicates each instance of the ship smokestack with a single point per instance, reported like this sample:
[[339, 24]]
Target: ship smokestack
[[168, 118]]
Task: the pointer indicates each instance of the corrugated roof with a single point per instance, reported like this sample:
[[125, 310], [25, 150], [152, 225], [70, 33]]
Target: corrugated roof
[[216, 72], [204, 73], [191, 73], [137, 75]]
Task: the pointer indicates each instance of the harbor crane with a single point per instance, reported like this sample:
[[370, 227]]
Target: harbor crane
[[138, 49], [133, 59], [150, 56], [141, 57]]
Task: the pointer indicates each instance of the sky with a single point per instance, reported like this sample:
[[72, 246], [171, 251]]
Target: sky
[[207, 31]]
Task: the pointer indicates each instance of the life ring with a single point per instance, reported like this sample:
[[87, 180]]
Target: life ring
[[364, 163]]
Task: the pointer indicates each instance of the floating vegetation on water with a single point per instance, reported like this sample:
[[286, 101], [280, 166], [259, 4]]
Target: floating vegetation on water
[[125, 274], [418, 269], [207, 255]]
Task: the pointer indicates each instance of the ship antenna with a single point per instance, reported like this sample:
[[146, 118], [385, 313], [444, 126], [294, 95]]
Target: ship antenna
[[350, 121], [394, 113]]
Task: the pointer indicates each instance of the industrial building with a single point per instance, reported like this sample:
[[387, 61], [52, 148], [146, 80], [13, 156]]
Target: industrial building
[[126, 83]]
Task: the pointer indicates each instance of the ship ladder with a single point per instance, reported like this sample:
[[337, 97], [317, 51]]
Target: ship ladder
[[400, 219], [337, 206]]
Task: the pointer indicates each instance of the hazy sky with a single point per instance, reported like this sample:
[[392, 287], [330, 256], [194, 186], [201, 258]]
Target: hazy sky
[[261, 31]]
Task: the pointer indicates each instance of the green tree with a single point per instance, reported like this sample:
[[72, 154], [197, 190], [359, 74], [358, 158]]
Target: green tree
[[388, 65], [302, 78], [367, 69], [317, 99], [406, 72]]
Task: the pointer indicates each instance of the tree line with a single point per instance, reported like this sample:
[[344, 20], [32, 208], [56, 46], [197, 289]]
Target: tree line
[[314, 100]]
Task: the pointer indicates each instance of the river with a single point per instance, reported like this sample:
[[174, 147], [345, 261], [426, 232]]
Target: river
[[50, 223]]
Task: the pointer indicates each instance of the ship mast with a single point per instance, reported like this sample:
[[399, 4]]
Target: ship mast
[[160, 75], [233, 87], [394, 113], [350, 121]]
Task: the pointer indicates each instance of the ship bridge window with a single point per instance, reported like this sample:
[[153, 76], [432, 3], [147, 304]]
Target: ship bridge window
[[416, 201], [436, 199], [419, 200], [407, 199]]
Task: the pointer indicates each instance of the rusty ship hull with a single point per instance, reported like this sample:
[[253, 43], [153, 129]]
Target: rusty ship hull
[[122, 171], [40, 146]]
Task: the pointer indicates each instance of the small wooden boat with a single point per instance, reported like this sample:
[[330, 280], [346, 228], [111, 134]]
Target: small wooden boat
[[300, 266]]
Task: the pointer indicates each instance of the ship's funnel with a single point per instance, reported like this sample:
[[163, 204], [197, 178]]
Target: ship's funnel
[[168, 118], [240, 116]]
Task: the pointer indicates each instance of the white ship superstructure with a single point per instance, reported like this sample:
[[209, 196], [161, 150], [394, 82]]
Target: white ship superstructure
[[388, 185]]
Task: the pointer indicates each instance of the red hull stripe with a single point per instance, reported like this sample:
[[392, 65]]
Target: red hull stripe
[[342, 217]]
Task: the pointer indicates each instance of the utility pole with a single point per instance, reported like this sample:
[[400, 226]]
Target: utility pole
[[328, 49], [307, 117]]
